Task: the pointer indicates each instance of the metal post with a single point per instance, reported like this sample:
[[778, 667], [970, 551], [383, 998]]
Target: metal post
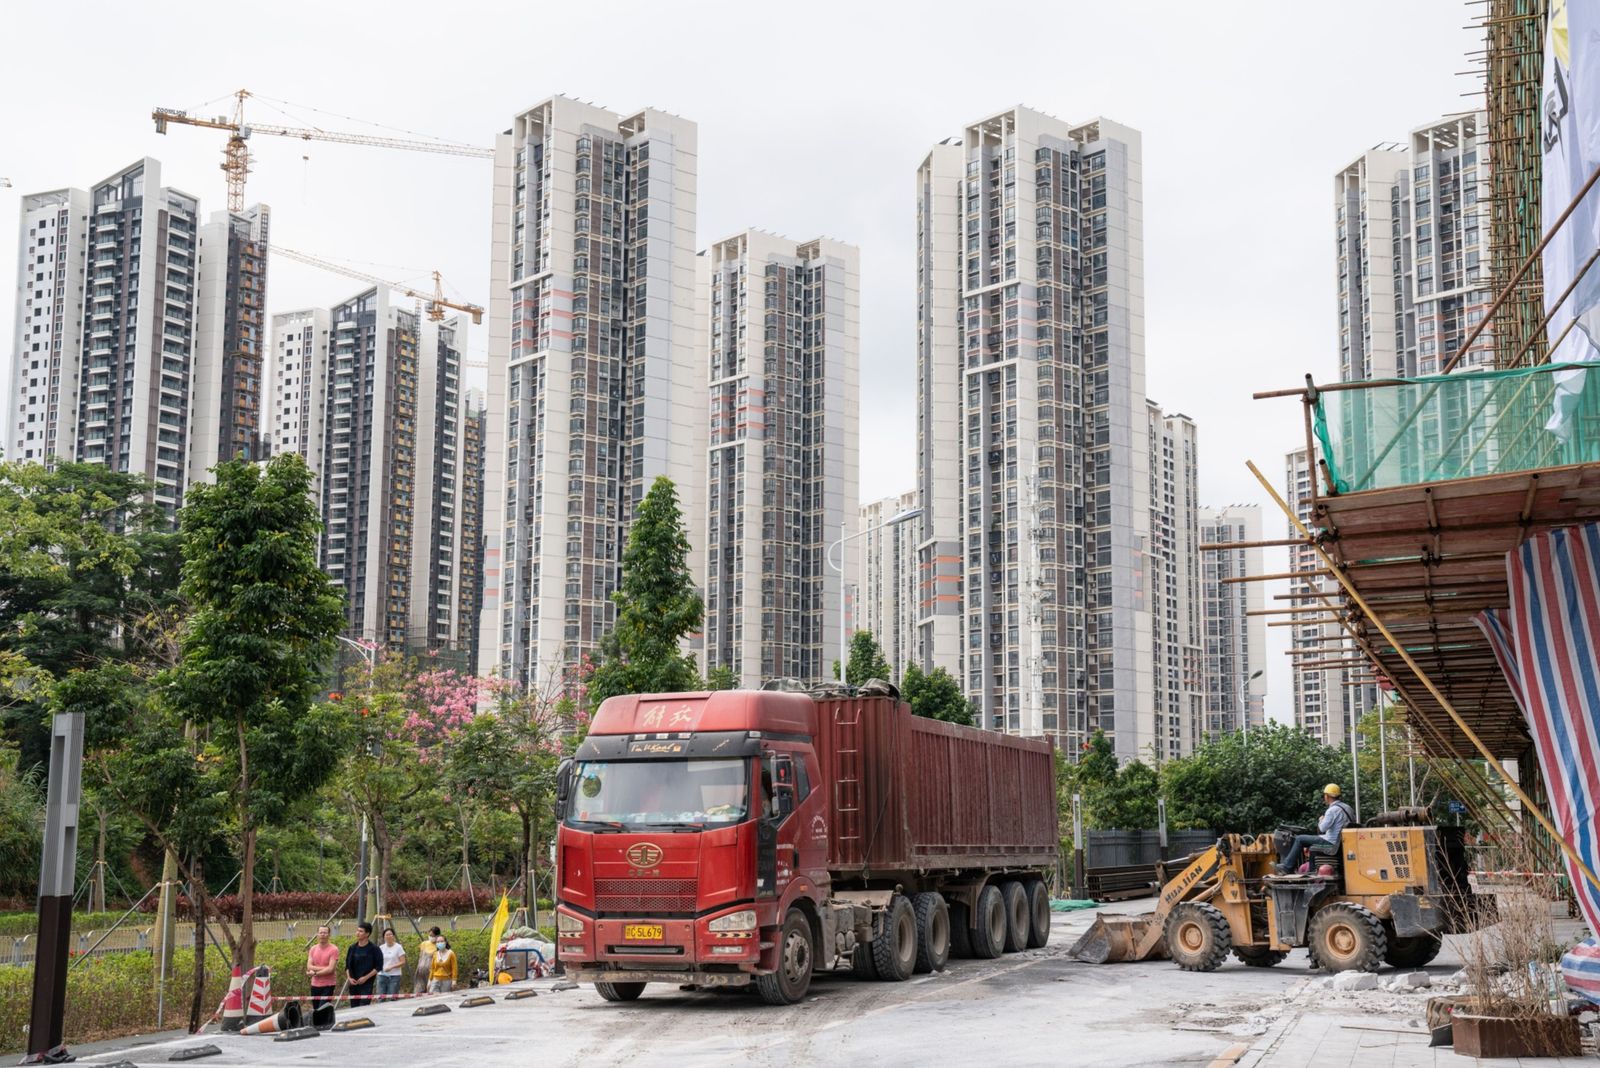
[[1411, 768], [56, 870], [844, 642], [1355, 768], [1077, 847], [361, 874], [1383, 756]]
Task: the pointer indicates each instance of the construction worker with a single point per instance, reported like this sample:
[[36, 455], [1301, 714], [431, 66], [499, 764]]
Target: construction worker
[[1335, 819]]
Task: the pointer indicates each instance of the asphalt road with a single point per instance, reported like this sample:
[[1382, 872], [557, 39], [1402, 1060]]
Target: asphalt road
[[1034, 1008]]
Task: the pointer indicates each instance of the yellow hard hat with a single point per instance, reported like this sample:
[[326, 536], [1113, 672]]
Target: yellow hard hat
[[1331, 790]]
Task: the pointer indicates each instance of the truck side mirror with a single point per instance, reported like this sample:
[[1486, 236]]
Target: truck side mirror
[[785, 800], [563, 787]]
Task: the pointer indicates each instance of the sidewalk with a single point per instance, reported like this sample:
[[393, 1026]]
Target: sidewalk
[[1327, 1040]]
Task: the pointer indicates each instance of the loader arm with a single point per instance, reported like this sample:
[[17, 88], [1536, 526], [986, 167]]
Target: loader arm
[[1118, 938], [1196, 880]]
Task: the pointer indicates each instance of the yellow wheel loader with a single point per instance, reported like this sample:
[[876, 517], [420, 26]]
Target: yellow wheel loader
[[1387, 894]]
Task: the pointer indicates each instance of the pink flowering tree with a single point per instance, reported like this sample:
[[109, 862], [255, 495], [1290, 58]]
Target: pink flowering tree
[[407, 715], [507, 756]]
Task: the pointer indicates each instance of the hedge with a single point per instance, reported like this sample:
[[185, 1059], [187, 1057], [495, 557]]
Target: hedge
[[297, 905], [17, 924]]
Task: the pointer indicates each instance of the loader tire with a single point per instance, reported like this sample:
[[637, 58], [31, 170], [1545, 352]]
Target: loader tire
[[1260, 958], [1038, 914], [989, 925], [1198, 937], [960, 932], [1347, 937], [1412, 952], [1018, 919], [933, 932], [894, 951]]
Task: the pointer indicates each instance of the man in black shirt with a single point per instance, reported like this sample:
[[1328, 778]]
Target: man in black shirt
[[362, 963]]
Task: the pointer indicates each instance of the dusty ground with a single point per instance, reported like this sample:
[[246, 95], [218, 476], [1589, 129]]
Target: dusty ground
[[1035, 1008]]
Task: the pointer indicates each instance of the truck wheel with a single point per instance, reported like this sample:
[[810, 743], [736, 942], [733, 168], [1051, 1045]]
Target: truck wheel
[[1348, 938], [933, 932], [960, 932], [1198, 937], [861, 965], [1260, 958], [792, 979], [1039, 914], [1015, 896], [1412, 952], [894, 951], [620, 991], [989, 928]]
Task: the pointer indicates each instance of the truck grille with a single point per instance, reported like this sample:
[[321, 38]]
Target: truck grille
[[641, 896]]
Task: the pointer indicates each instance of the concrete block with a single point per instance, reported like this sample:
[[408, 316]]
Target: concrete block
[[1352, 981], [1415, 981]]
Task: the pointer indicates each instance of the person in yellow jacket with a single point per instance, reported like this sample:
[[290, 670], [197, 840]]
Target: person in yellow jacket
[[425, 961], [444, 968]]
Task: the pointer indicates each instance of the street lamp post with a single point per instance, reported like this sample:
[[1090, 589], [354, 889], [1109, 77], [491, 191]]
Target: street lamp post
[[369, 653], [1244, 701], [895, 520]]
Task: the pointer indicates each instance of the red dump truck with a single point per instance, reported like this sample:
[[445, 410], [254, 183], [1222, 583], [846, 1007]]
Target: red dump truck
[[758, 836]]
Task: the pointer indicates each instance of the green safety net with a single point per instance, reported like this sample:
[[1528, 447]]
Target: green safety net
[[1459, 426]]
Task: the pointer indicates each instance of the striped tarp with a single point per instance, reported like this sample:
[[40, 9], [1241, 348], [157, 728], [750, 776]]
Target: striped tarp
[[1548, 644]]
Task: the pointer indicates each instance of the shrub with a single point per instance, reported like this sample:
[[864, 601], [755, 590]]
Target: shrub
[[297, 905]]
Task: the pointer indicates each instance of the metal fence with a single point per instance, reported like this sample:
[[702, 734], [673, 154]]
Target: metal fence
[[1123, 849]]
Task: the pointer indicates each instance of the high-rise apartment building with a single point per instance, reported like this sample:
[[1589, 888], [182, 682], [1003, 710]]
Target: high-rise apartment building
[[887, 594], [46, 352], [138, 338], [1172, 569], [1047, 376], [370, 394], [230, 340], [783, 362], [469, 524], [1235, 640], [1377, 328], [1449, 239], [596, 383]]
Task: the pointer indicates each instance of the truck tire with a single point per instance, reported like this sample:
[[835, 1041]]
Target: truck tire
[[1018, 921], [861, 965], [1038, 914], [960, 932], [894, 951], [989, 926], [1348, 937], [796, 957], [1412, 952], [619, 991], [933, 932], [1198, 937]]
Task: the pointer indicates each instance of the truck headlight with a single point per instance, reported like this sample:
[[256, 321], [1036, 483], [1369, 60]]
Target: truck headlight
[[743, 920], [568, 925]]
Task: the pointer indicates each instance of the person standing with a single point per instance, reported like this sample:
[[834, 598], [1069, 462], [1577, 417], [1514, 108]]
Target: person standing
[[444, 969], [425, 962], [362, 963], [322, 960], [394, 963]]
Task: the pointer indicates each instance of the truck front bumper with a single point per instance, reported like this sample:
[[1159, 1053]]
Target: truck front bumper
[[593, 973]]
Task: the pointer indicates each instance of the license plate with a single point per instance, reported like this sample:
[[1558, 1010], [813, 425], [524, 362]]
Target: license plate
[[639, 932]]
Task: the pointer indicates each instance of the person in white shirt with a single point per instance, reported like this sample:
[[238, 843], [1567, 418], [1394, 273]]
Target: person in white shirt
[[394, 961], [1335, 819]]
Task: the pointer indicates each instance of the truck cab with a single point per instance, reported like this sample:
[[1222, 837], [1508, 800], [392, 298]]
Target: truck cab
[[690, 826]]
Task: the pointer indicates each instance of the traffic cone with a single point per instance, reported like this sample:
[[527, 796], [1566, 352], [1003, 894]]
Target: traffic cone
[[233, 1004], [322, 1016], [259, 985], [287, 1020]]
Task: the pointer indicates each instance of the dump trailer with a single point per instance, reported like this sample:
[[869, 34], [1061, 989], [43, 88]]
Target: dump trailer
[[756, 836], [1387, 894]]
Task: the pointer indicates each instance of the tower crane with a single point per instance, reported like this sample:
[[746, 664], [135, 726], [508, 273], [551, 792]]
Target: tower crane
[[236, 154], [436, 301]]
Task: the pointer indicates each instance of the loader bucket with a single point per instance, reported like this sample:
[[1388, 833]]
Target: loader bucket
[[1115, 939]]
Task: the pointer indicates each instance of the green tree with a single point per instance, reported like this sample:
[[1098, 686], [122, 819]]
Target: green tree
[[1370, 759], [1128, 802], [84, 559], [935, 695], [262, 623], [866, 660], [722, 677], [1251, 785], [657, 607], [21, 813]]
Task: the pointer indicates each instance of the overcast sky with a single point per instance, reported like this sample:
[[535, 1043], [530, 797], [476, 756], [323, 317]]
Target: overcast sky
[[812, 120]]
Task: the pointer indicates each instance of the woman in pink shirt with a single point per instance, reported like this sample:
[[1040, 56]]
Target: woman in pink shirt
[[321, 961]]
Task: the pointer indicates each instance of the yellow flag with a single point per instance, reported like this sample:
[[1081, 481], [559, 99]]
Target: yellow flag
[[501, 914]]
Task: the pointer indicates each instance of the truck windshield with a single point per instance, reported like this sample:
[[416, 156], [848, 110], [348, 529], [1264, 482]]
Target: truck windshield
[[656, 793]]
